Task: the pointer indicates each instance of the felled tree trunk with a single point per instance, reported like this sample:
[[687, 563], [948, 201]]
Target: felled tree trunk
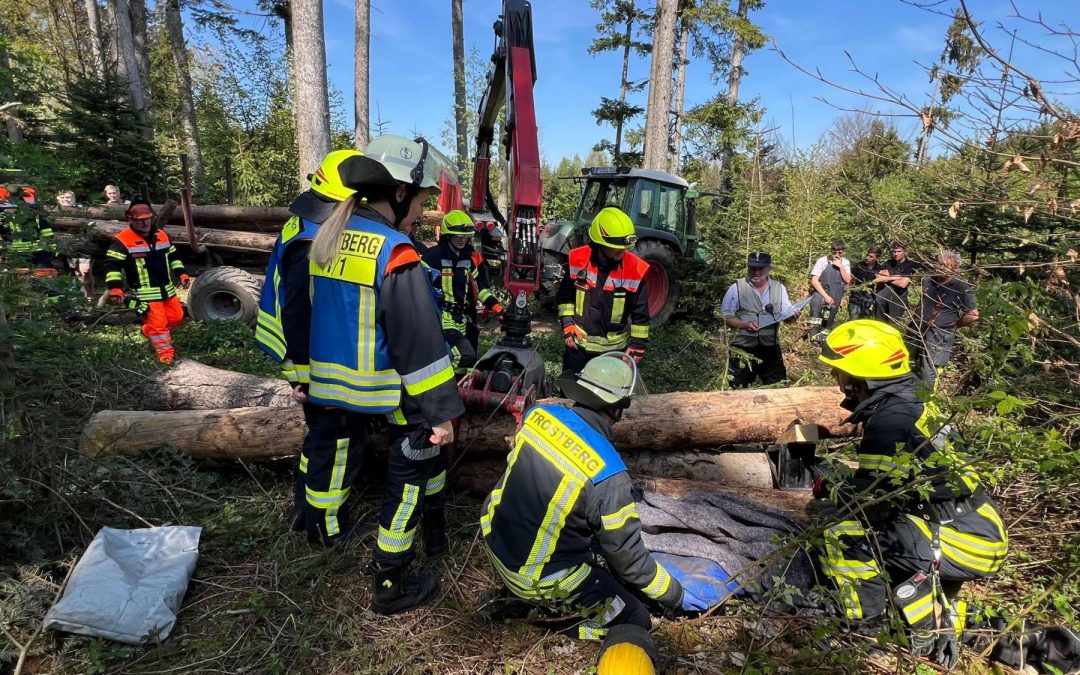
[[253, 219], [663, 422], [105, 230], [190, 384]]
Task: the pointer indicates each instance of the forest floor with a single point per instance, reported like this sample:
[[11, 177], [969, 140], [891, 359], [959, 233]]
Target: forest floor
[[263, 601]]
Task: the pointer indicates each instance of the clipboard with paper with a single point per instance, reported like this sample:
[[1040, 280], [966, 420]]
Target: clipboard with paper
[[786, 314]]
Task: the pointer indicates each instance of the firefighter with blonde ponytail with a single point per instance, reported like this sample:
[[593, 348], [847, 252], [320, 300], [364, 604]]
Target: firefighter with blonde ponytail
[[377, 349]]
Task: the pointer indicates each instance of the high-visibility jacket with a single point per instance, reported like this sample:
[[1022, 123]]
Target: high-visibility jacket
[[610, 304], [903, 440], [463, 280], [283, 327], [564, 488], [143, 265], [375, 332], [25, 231]]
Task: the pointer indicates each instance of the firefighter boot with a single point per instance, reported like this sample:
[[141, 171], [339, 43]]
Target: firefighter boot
[[396, 592], [433, 529]]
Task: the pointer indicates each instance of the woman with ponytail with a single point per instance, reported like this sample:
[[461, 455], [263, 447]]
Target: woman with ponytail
[[377, 350]]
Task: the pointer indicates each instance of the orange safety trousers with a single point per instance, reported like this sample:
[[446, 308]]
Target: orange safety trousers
[[160, 317]]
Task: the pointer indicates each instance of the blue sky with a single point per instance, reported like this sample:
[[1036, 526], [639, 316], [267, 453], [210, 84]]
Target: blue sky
[[412, 76]]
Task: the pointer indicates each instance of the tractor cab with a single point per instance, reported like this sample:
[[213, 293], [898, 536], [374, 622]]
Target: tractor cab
[[662, 207]]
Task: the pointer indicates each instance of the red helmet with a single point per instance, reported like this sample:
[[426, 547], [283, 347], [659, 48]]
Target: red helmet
[[138, 211]]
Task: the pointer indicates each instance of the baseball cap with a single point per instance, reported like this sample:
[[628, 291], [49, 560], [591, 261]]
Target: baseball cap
[[759, 259]]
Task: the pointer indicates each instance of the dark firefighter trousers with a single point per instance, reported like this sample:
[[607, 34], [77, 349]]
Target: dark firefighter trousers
[[463, 346], [330, 461], [973, 545], [415, 490], [591, 592]]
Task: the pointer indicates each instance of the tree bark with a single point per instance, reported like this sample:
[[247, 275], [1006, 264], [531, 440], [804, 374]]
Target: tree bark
[[624, 86], [93, 22], [138, 35], [658, 112], [461, 121], [242, 218], [361, 65], [662, 422], [105, 230], [311, 103], [127, 63], [192, 385], [174, 23], [738, 52], [14, 131], [680, 100]]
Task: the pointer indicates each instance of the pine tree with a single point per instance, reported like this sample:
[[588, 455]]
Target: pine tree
[[616, 32]]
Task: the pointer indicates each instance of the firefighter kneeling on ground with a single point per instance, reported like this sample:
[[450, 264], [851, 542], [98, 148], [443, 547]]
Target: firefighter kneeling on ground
[[463, 280], [143, 256], [566, 493], [603, 301]]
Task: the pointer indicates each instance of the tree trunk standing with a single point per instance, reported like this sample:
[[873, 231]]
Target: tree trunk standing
[[174, 23], [7, 95], [680, 100], [311, 102], [738, 52], [93, 21], [127, 63], [624, 86], [362, 61], [138, 35], [461, 112], [659, 108]]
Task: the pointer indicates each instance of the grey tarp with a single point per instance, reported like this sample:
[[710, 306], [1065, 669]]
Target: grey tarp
[[129, 584], [737, 533]]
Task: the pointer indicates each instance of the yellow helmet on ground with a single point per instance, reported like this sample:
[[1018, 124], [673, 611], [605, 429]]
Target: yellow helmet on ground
[[458, 223], [326, 181], [627, 650], [612, 228], [867, 349]]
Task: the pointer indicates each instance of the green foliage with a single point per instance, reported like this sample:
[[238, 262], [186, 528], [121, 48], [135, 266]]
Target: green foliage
[[561, 196]]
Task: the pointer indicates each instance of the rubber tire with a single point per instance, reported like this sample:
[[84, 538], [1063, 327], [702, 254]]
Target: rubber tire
[[659, 254], [547, 296], [224, 294]]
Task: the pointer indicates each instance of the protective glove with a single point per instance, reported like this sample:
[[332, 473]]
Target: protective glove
[[116, 296], [185, 281], [497, 309], [572, 334], [635, 353], [692, 603]]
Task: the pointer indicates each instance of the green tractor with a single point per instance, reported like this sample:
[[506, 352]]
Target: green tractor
[[663, 208]]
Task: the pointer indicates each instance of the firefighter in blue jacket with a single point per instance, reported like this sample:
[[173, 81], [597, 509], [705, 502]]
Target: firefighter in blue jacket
[[565, 494], [377, 349], [283, 327]]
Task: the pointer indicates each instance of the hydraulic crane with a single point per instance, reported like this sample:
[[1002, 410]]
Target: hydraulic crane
[[511, 374]]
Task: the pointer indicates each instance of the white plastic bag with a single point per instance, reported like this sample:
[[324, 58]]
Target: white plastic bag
[[129, 584]]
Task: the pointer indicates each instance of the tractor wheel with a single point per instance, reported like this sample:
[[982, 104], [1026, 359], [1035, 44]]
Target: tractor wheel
[[659, 280], [224, 294]]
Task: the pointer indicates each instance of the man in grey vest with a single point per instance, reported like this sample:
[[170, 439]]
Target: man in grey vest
[[753, 307], [829, 277]]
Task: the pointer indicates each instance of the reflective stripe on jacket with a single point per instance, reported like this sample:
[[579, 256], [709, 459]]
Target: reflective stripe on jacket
[[610, 306], [564, 487], [283, 325], [143, 265]]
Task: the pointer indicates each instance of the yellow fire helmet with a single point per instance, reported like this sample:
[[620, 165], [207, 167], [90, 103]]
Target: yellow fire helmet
[[457, 223], [612, 228], [867, 349], [326, 181]]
